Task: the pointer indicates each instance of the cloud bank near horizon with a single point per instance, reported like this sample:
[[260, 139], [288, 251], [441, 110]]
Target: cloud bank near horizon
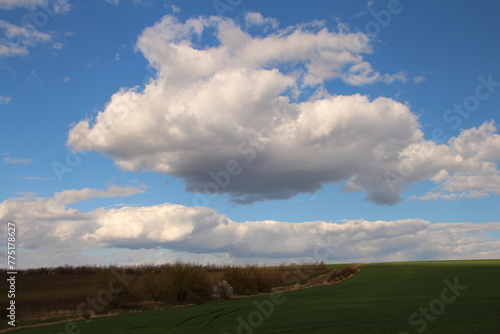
[[51, 231]]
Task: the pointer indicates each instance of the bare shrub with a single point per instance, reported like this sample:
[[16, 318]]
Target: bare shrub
[[186, 283], [154, 286], [241, 279], [103, 277]]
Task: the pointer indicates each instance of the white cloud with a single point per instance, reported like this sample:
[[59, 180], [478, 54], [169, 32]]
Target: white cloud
[[25, 193], [73, 196], [465, 186], [16, 40], [32, 36], [4, 100], [471, 171], [143, 230], [361, 74], [253, 18], [61, 6], [172, 7], [368, 7], [11, 4], [21, 161], [134, 2], [202, 230], [55, 6], [66, 79], [419, 79], [34, 178], [142, 2], [400, 76], [10, 50], [251, 117], [48, 220]]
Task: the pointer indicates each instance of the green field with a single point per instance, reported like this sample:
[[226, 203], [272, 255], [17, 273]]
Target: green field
[[379, 299]]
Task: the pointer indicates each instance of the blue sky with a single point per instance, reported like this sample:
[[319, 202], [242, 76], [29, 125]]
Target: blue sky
[[390, 123]]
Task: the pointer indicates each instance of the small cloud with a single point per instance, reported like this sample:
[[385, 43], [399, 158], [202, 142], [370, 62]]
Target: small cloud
[[117, 57], [400, 76], [432, 196], [52, 6], [305, 200], [73, 196], [18, 39], [57, 45], [34, 178], [142, 3], [4, 100], [172, 7], [12, 4], [13, 50], [67, 79], [134, 2], [368, 7], [419, 79], [25, 193], [62, 6], [33, 77], [10, 160], [257, 19]]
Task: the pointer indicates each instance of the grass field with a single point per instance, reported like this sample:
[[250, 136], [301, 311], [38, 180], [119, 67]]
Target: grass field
[[382, 298]]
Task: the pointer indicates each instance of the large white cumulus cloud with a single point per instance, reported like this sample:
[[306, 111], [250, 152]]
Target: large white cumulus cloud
[[249, 115]]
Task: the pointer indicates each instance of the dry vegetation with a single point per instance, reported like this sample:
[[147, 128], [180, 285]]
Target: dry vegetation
[[62, 292], [342, 274]]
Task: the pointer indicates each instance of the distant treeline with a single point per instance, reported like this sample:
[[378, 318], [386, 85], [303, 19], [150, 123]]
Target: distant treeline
[[154, 268]]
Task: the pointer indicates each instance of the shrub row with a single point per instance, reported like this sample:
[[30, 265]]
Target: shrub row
[[338, 275], [166, 284]]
